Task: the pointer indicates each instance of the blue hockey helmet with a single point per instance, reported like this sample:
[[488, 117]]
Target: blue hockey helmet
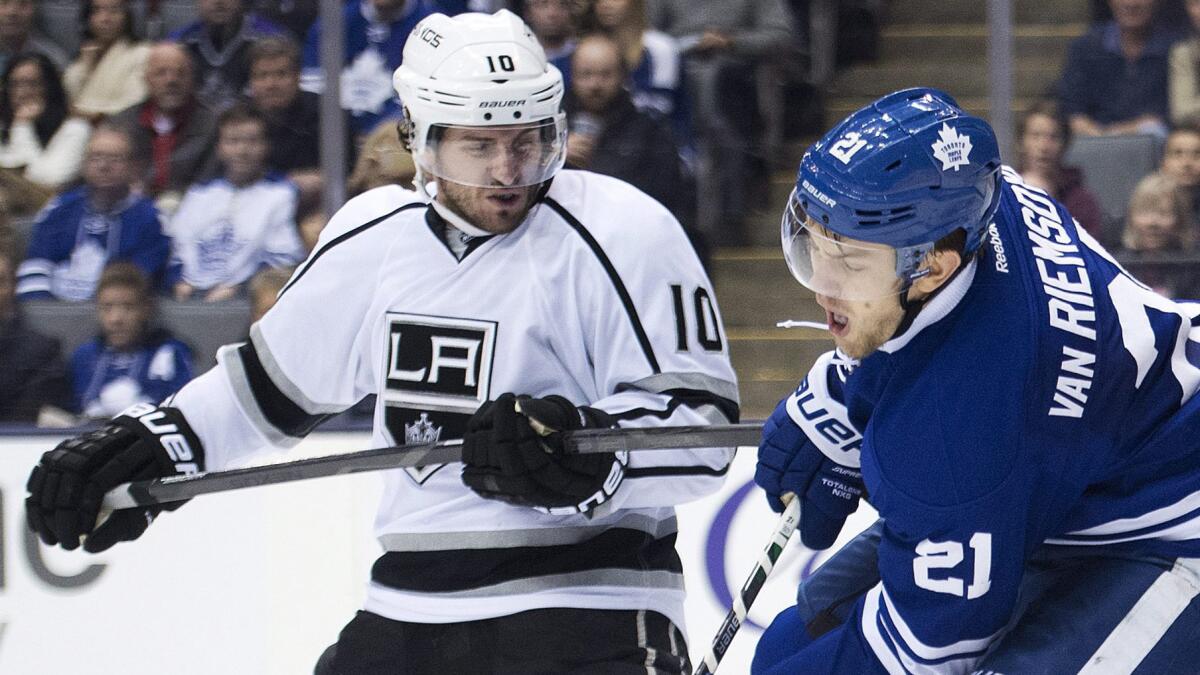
[[885, 185]]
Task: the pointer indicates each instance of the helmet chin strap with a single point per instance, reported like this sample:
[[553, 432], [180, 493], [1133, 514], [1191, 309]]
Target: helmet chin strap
[[912, 308], [444, 211], [458, 221]]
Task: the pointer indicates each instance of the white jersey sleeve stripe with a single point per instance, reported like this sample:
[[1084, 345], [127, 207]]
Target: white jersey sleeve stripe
[[928, 652], [880, 645], [1147, 622]]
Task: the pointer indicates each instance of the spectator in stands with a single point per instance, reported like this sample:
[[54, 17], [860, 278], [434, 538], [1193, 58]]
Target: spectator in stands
[[382, 160], [293, 116], [109, 75], [41, 144], [32, 373], [219, 43], [1181, 161], [555, 24], [723, 42], [131, 360], [1043, 135], [1184, 70], [376, 31], [609, 135], [86, 228], [1160, 221], [174, 133], [18, 35], [264, 289], [651, 57], [1115, 78], [297, 16], [227, 229]]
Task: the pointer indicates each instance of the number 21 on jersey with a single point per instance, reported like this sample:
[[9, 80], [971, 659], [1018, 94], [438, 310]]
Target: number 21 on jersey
[[948, 555]]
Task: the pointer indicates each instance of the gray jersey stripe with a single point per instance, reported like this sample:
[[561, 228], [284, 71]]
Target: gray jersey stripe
[[281, 381], [627, 578], [549, 536], [231, 359]]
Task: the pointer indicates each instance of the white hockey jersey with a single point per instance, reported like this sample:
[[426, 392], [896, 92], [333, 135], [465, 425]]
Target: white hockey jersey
[[597, 296]]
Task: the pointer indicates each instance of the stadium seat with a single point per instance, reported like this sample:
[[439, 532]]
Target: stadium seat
[[203, 327], [1112, 167]]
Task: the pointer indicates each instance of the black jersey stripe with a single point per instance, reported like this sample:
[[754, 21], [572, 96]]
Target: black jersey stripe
[[280, 411], [692, 398], [471, 569], [664, 471], [312, 260], [622, 292]]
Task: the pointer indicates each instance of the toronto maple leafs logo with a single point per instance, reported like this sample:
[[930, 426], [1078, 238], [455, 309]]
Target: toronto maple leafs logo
[[952, 148], [421, 431]]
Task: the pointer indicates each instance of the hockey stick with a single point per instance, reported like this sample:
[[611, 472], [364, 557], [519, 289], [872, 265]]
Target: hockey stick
[[754, 583], [584, 441]]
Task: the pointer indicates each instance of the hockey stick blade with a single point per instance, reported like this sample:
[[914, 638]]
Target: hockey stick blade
[[754, 583], [584, 441]]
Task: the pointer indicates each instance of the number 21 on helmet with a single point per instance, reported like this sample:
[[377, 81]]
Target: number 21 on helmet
[[875, 194]]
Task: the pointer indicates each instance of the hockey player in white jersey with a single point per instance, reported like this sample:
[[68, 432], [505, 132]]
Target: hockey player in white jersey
[[504, 300]]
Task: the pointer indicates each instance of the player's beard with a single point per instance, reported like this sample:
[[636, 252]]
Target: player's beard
[[482, 208], [870, 323]]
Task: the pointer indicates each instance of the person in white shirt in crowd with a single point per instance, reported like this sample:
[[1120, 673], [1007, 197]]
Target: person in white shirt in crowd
[[109, 73], [228, 228], [41, 144]]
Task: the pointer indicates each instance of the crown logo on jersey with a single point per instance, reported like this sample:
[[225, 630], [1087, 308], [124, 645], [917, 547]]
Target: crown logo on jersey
[[421, 431], [952, 148]]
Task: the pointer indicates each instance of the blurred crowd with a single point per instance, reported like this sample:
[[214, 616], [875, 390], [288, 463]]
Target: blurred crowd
[[1128, 102], [169, 152]]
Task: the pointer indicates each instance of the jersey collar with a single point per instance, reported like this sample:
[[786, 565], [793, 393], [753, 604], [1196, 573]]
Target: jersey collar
[[936, 309]]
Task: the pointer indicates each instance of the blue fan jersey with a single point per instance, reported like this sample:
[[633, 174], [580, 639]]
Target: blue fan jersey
[[1043, 398]]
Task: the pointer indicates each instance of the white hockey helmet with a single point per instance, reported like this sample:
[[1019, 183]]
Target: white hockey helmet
[[479, 70]]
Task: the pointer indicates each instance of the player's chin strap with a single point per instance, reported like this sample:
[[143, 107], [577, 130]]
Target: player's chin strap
[[443, 210], [453, 218], [913, 307]]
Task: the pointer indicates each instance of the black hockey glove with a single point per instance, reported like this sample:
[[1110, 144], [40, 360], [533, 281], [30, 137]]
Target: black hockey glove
[[512, 451], [68, 485]]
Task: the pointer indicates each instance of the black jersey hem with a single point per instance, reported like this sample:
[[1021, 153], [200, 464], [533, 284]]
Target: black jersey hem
[[626, 300], [467, 569]]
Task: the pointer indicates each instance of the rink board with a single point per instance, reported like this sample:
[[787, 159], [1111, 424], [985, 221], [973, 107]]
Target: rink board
[[261, 580]]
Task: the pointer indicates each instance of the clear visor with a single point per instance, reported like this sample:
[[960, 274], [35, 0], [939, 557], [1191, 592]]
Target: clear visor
[[834, 266], [515, 155]]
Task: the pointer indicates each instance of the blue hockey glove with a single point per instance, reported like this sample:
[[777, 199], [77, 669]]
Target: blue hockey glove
[[68, 485], [811, 449]]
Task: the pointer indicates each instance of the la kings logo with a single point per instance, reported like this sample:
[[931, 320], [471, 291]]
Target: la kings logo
[[438, 372]]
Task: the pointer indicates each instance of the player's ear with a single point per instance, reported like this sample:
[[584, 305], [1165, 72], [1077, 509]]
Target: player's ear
[[941, 264]]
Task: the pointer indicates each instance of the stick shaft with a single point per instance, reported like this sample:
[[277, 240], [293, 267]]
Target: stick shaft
[[754, 583], [584, 441]]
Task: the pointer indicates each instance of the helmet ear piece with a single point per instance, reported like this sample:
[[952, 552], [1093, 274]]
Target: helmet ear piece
[[405, 129]]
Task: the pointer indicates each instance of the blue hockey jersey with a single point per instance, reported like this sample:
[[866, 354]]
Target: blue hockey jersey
[[1043, 398], [72, 242], [105, 381], [373, 50]]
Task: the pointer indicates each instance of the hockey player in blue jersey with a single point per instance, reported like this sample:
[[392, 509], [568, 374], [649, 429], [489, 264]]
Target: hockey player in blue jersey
[[1017, 407]]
